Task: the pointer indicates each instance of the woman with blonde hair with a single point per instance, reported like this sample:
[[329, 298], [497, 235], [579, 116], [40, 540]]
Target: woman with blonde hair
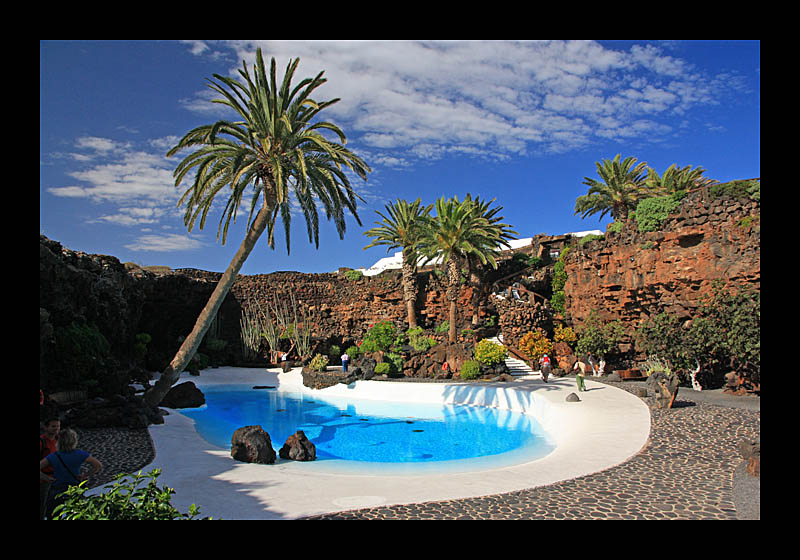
[[66, 463]]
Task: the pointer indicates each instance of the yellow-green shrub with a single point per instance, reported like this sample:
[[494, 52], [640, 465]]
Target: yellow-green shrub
[[535, 344], [490, 353]]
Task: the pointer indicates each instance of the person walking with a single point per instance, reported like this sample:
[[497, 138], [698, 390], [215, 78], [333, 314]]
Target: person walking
[[66, 462], [544, 362], [580, 374]]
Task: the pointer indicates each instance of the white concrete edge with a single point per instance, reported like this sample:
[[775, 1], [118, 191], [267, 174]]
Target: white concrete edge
[[605, 429]]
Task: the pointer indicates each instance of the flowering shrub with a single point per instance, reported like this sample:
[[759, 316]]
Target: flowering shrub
[[490, 353], [535, 345]]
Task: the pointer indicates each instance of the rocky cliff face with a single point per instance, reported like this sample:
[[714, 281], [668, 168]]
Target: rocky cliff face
[[631, 275]]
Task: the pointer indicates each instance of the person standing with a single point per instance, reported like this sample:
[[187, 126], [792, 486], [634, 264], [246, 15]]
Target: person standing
[[48, 441], [66, 463], [345, 360]]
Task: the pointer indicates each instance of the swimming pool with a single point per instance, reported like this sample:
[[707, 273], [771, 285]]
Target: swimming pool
[[376, 436]]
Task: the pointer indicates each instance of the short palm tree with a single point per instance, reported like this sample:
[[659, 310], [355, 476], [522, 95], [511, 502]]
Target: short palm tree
[[401, 227], [275, 148], [622, 186], [677, 179], [459, 230]]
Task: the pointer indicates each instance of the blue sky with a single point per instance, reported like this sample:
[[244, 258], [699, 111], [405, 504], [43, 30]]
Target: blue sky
[[521, 122]]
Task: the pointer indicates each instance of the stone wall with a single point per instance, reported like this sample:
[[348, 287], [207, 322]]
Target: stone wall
[[631, 275]]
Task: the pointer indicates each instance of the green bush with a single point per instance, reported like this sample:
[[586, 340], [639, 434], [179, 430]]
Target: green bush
[[379, 337], [651, 212], [353, 275], [418, 340], [558, 298], [591, 237], [470, 369], [490, 353], [383, 368], [124, 501], [442, 328], [353, 352], [738, 189], [599, 340], [614, 227], [318, 363]]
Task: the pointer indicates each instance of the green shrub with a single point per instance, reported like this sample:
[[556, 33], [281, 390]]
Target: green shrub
[[599, 340], [470, 369], [353, 352], [379, 337], [335, 350], [490, 353], [738, 189], [318, 363], [651, 212], [442, 328], [614, 227], [418, 340], [591, 237], [123, 501], [353, 275], [383, 368]]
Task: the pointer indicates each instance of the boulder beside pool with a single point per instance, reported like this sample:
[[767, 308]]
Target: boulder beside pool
[[298, 448], [251, 444]]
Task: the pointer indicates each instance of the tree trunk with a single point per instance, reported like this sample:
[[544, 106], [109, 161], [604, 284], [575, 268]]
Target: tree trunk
[[409, 288], [453, 279], [187, 350]]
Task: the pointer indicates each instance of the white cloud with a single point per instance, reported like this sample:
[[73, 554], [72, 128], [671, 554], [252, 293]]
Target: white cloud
[[165, 243], [496, 98]]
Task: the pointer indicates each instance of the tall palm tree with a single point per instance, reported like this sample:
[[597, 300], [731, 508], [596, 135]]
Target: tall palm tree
[[274, 148], [475, 271], [622, 186], [401, 227], [459, 230]]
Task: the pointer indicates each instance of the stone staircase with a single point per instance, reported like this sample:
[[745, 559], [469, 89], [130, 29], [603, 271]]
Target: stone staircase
[[516, 367]]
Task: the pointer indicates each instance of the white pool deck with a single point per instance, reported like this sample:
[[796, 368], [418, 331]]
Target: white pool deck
[[606, 428]]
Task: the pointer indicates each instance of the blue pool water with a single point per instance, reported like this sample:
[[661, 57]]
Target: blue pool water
[[369, 431]]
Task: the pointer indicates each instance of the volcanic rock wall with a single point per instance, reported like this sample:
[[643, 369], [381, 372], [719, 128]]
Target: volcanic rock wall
[[631, 275]]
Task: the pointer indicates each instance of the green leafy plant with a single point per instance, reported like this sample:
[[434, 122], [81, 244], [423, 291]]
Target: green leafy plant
[[442, 328], [470, 369], [598, 339], [558, 299], [353, 352], [318, 363], [125, 500], [353, 275], [379, 337], [652, 212], [490, 353], [382, 368], [418, 340]]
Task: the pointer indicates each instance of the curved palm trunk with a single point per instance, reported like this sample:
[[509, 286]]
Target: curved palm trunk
[[409, 288], [187, 350]]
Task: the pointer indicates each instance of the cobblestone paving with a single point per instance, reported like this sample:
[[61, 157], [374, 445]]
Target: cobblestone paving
[[685, 472], [120, 450]]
